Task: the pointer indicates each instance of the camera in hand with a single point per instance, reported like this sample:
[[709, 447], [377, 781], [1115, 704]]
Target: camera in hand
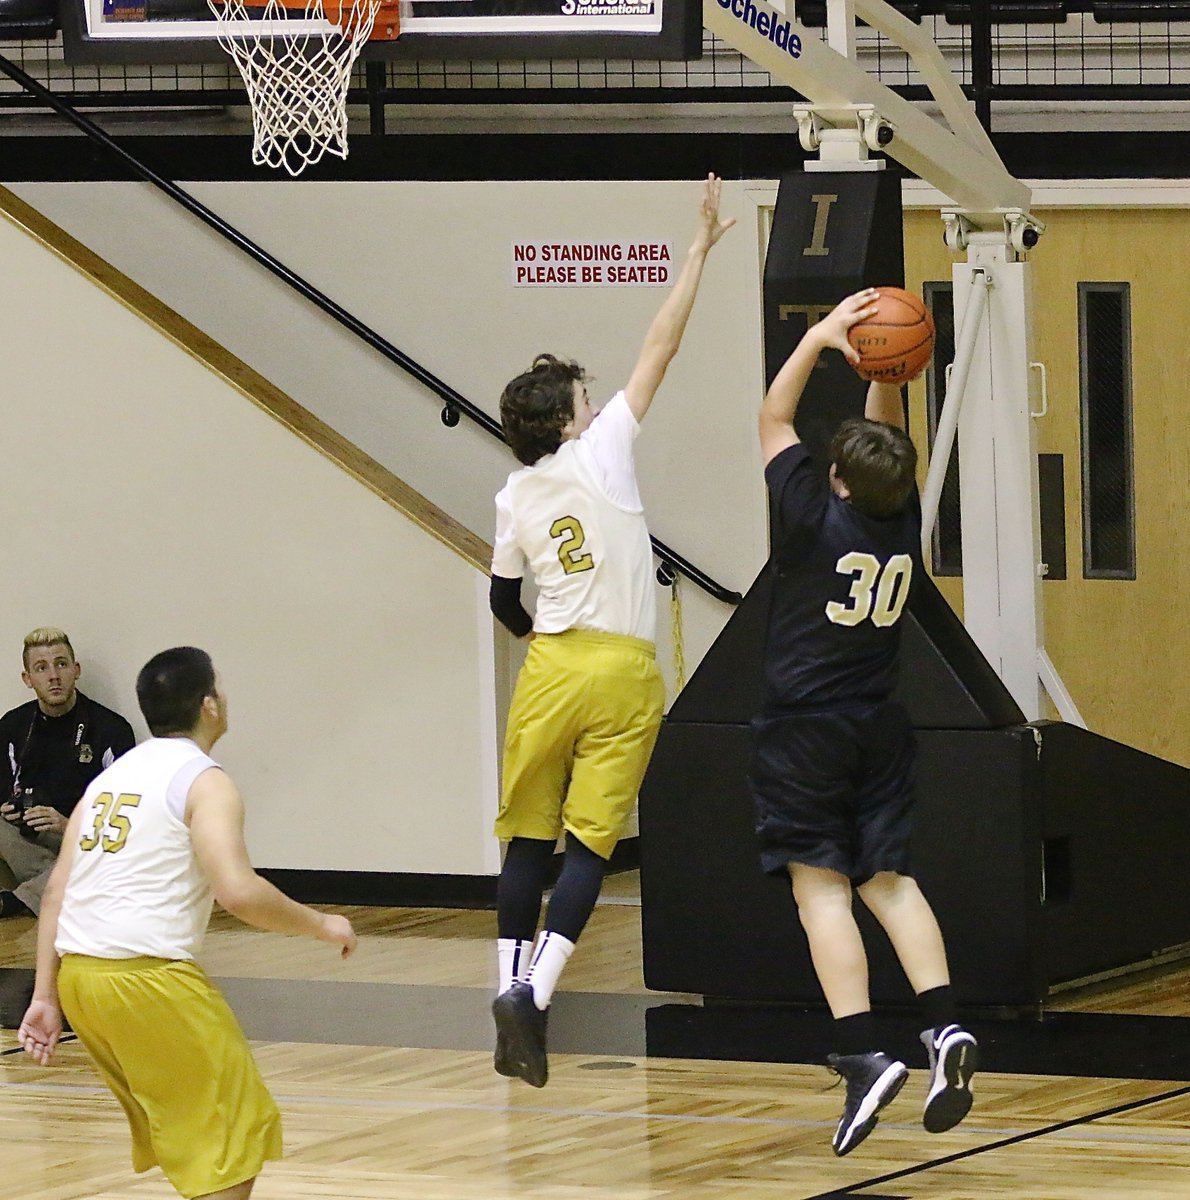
[[21, 800]]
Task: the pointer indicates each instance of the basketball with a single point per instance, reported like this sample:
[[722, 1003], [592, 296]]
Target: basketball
[[896, 342]]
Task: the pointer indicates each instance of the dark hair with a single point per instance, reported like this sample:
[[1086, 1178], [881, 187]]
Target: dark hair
[[535, 407], [171, 687], [877, 462]]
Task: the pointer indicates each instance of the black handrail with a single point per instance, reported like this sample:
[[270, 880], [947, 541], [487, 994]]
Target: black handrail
[[454, 401]]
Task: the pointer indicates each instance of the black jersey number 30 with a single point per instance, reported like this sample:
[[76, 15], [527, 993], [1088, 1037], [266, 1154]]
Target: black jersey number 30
[[570, 553], [876, 593]]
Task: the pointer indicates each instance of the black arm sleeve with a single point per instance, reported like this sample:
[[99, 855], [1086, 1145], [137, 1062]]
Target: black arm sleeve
[[504, 598]]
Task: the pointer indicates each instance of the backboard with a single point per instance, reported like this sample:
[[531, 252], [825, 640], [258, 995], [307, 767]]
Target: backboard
[[183, 31]]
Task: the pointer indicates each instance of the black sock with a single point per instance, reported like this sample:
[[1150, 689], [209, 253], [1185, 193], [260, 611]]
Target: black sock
[[11, 906], [576, 891], [855, 1034], [522, 880], [937, 1007]]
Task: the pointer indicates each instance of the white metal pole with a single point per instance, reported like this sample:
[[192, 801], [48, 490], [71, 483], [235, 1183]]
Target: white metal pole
[[1002, 600], [1057, 690], [948, 421]]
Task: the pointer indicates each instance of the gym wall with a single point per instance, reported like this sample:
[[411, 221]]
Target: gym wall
[[147, 503], [429, 266]]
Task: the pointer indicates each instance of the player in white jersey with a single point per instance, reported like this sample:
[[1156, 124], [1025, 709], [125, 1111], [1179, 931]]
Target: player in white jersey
[[589, 698], [154, 839]]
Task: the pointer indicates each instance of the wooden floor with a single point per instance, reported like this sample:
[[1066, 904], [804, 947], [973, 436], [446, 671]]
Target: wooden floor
[[365, 1122]]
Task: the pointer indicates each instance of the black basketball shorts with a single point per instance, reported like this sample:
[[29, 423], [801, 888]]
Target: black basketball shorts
[[833, 788]]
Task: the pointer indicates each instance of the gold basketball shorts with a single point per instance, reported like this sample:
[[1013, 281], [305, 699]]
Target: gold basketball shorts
[[581, 729], [175, 1058]]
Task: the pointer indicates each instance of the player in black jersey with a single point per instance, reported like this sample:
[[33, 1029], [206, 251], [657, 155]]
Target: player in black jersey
[[833, 766]]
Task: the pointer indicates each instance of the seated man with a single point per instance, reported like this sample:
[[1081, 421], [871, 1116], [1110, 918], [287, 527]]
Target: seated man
[[50, 749]]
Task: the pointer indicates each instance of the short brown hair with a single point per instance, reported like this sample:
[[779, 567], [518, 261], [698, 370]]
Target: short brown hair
[[536, 406], [45, 635], [878, 464]]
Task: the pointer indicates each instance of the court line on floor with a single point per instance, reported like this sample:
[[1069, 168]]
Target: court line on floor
[[66, 1037], [1058, 1127], [424, 1106]]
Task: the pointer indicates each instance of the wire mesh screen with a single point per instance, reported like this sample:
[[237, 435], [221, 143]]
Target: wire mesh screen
[[721, 68], [1088, 46], [42, 59], [1105, 381], [1104, 45]]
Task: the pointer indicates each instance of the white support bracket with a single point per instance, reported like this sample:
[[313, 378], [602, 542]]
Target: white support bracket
[[842, 137], [1021, 230], [958, 158]]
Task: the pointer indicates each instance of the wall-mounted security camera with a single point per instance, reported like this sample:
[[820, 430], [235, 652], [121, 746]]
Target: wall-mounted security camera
[[877, 131], [1024, 232]]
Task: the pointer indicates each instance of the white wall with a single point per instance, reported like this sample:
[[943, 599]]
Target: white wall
[[428, 266], [147, 504]]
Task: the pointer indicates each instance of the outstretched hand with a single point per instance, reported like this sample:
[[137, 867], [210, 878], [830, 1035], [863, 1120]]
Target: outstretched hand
[[832, 329], [41, 1027], [711, 228]]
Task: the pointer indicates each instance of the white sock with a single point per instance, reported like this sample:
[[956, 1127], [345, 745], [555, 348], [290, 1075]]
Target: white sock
[[548, 960], [513, 958]]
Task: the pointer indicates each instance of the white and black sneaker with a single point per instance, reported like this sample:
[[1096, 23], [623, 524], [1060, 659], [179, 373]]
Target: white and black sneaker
[[954, 1056], [873, 1080]]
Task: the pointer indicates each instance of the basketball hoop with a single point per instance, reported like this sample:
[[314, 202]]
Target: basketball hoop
[[296, 64]]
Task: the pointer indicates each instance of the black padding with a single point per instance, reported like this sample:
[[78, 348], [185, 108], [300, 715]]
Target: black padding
[[26, 10], [946, 683], [1124, 818], [988, 804], [179, 10], [833, 233], [714, 924], [28, 19]]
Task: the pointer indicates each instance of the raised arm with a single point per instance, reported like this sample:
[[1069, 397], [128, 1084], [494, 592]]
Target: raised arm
[[884, 404], [781, 401], [215, 814], [665, 333]]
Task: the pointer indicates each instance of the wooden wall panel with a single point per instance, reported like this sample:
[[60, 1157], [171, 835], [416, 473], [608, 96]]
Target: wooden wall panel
[[1121, 646]]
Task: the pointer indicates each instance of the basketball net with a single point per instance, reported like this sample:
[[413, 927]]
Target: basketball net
[[297, 69]]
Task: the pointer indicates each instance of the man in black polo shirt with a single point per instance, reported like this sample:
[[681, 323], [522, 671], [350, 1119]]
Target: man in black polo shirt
[[833, 768], [50, 748]]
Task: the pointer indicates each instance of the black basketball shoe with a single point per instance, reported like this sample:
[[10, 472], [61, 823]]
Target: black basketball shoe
[[954, 1055], [502, 1060], [520, 1026], [873, 1080]]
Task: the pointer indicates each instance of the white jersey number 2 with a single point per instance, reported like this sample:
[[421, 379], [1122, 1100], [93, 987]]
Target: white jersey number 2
[[879, 594], [570, 553]]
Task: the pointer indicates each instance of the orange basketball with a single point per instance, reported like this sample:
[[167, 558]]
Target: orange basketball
[[896, 342]]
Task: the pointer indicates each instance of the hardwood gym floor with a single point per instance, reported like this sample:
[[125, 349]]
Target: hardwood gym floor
[[382, 1067]]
